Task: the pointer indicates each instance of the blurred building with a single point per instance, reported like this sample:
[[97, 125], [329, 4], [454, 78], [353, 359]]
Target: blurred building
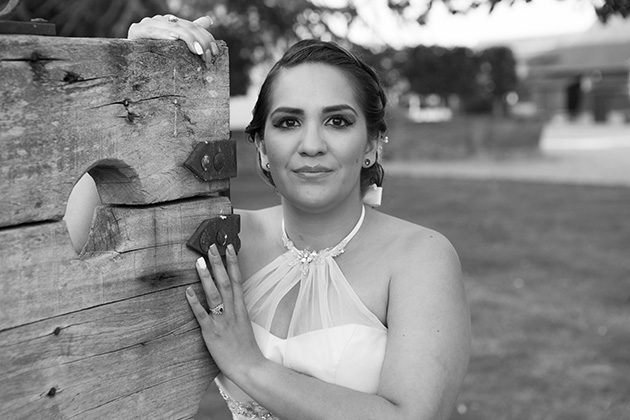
[[584, 76]]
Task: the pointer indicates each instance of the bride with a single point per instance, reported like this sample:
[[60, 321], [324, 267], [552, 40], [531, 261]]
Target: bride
[[332, 309]]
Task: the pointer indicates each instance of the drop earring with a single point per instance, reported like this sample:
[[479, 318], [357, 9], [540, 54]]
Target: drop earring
[[367, 163]]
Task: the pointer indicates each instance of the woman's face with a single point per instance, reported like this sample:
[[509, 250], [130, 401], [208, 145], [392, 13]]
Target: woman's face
[[316, 137]]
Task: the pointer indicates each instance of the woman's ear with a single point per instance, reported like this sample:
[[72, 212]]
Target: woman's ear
[[372, 148], [262, 152]]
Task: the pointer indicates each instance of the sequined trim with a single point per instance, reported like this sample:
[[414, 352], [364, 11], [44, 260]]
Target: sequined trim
[[247, 410]]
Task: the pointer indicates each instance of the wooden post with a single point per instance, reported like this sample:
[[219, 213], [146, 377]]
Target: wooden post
[[107, 332]]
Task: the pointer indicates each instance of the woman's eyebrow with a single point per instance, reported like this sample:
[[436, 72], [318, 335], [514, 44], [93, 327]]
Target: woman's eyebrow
[[337, 108], [326, 110], [287, 110]]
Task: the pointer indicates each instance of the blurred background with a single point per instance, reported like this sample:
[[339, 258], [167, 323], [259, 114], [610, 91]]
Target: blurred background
[[509, 133]]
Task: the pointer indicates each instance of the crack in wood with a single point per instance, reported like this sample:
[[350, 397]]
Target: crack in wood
[[25, 225], [72, 77], [126, 101], [35, 56], [182, 285]]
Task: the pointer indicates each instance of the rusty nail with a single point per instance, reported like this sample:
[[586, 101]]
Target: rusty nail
[[205, 162], [52, 392], [57, 331]]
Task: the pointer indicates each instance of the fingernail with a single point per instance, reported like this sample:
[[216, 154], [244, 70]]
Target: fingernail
[[214, 251], [189, 291], [201, 262], [198, 48], [173, 35], [211, 20], [230, 249], [215, 49]]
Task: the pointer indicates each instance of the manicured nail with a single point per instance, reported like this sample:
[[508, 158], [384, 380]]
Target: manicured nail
[[215, 49], [189, 291], [230, 250], [198, 48], [214, 251], [201, 263]]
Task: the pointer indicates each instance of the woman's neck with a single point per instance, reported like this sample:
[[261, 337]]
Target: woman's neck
[[315, 231]]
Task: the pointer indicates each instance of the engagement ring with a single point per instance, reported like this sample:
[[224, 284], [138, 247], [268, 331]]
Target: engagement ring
[[217, 310]]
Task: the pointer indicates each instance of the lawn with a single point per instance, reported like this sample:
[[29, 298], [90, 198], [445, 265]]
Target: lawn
[[547, 272]]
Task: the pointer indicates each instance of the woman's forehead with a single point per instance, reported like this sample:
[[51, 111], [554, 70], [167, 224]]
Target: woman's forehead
[[312, 84]]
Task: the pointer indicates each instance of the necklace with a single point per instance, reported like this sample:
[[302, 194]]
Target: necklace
[[306, 258]]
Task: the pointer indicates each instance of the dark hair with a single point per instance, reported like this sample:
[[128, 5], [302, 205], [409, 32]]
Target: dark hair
[[365, 83]]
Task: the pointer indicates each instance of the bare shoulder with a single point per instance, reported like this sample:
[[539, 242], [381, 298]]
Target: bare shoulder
[[414, 246], [425, 274]]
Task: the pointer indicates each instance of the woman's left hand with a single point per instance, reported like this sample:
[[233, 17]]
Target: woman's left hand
[[195, 34], [226, 329]]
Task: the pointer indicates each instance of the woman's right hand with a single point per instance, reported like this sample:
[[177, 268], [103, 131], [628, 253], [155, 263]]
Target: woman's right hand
[[195, 34]]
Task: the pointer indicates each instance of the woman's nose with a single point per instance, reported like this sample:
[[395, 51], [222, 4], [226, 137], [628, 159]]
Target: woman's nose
[[312, 143]]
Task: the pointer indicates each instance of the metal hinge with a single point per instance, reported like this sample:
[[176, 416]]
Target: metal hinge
[[213, 160], [221, 230]]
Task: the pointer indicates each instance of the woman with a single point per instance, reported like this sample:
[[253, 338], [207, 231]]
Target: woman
[[332, 310]]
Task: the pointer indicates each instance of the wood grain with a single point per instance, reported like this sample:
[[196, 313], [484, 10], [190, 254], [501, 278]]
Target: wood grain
[[127, 112], [134, 359], [106, 333], [130, 251]]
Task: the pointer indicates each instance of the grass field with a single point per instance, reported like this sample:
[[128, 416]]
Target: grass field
[[547, 272]]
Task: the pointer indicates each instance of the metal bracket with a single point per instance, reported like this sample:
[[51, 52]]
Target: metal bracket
[[221, 230], [213, 160]]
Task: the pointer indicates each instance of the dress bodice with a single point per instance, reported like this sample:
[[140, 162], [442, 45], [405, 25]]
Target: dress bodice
[[331, 336]]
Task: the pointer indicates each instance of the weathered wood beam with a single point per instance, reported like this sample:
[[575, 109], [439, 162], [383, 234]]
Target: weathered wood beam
[[130, 251], [105, 333], [102, 363], [130, 112]]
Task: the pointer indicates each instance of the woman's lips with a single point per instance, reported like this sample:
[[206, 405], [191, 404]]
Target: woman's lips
[[312, 171]]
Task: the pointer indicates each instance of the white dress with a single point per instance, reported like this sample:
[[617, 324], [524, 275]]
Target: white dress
[[332, 336]]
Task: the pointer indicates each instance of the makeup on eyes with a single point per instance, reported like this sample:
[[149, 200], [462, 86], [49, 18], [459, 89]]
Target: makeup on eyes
[[346, 114]]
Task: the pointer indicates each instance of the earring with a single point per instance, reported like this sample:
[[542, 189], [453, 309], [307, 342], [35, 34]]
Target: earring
[[367, 163], [264, 162]]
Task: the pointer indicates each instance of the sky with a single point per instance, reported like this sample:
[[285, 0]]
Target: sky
[[521, 20]]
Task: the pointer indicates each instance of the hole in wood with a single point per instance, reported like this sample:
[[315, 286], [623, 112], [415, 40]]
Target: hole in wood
[[108, 181], [80, 210]]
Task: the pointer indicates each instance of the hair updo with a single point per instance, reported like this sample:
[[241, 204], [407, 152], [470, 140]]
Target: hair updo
[[365, 84]]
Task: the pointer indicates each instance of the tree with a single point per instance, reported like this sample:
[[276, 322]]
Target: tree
[[256, 30], [496, 77]]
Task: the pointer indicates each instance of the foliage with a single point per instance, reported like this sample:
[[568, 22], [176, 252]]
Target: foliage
[[255, 30], [439, 70], [496, 78], [481, 79]]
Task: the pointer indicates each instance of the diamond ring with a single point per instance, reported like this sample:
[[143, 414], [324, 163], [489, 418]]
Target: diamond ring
[[217, 310], [172, 19]]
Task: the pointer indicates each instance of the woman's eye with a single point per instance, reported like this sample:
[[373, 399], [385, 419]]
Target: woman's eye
[[287, 123], [339, 121]]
